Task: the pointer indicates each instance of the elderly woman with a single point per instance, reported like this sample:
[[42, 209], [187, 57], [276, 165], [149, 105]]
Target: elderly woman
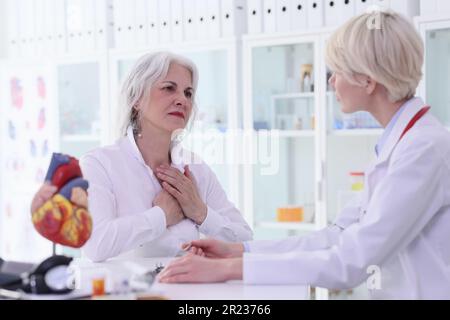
[[146, 200], [397, 233]]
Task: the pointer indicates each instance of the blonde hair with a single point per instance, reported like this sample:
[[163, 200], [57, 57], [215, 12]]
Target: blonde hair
[[382, 45], [146, 71]]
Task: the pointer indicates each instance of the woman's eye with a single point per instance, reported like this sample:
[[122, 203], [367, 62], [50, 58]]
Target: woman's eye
[[169, 88], [188, 94]]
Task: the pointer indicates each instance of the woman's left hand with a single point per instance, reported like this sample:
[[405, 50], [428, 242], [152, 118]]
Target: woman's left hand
[[184, 188]]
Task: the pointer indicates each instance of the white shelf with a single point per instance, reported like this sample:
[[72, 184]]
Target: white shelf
[[300, 226], [356, 132], [299, 95], [80, 138], [296, 133]]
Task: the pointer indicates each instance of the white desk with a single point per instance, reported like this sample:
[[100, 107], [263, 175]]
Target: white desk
[[116, 269]]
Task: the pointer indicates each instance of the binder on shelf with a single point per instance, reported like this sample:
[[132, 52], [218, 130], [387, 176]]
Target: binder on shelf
[[60, 32], [428, 7], [39, 24], [443, 7], [130, 33], [201, 19], [177, 21], [26, 28], [190, 22], [88, 26], [141, 25], [165, 28], [152, 22], [119, 23], [74, 20], [299, 14], [13, 46], [233, 17], [213, 19], [104, 27], [49, 27], [361, 6], [386, 4], [408, 8], [332, 10], [269, 16], [283, 15], [315, 14], [254, 16], [347, 10]]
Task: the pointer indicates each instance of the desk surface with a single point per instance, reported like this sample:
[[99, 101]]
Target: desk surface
[[232, 290]]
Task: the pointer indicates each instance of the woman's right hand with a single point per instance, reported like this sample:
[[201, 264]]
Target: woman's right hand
[[170, 206], [212, 248], [45, 192]]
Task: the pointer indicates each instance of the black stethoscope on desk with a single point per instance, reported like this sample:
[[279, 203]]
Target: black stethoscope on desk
[[52, 276]]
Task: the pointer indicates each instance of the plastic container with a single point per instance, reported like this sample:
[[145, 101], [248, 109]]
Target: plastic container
[[357, 181]]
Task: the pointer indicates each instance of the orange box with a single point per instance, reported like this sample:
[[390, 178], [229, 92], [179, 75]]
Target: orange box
[[291, 214]]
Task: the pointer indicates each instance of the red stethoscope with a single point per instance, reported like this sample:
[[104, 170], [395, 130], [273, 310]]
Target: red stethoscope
[[416, 118]]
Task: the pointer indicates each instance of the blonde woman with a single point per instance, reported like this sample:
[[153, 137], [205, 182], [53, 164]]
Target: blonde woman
[[400, 227], [146, 200]]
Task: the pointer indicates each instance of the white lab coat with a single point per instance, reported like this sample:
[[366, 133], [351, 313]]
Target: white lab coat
[[401, 224]]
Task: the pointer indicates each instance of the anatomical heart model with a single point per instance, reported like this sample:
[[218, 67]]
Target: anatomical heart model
[[64, 218]]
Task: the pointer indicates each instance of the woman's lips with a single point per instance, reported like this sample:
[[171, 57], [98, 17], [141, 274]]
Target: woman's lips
[[177, 114]]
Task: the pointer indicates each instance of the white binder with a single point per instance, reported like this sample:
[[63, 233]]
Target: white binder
[[13, 45], [299, 14], [74, 20], [141, 23], [409, 8], [88, 29], [254, 16], [165, 28], [49, 27], [333, 8], [443, 7], [428, 7], [26, 28], [201, 19], [39, 10], [269, 16], [315, 14], [152, 22], [213, 19], [233, 17], [177, 21], [347, 10], [361, 6], [60, 32], [130, 33], [283, 15], [386, 4], [190, 21], [104, 28]]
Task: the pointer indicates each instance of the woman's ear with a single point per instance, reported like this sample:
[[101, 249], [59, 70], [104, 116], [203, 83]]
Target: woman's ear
[[370, 85]]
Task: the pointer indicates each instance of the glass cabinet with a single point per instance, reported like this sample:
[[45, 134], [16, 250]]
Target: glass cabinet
[[280, 109], [79, 107], [437, 70]]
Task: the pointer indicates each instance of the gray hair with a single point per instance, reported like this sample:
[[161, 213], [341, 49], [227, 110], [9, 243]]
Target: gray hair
[[146, 71]]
